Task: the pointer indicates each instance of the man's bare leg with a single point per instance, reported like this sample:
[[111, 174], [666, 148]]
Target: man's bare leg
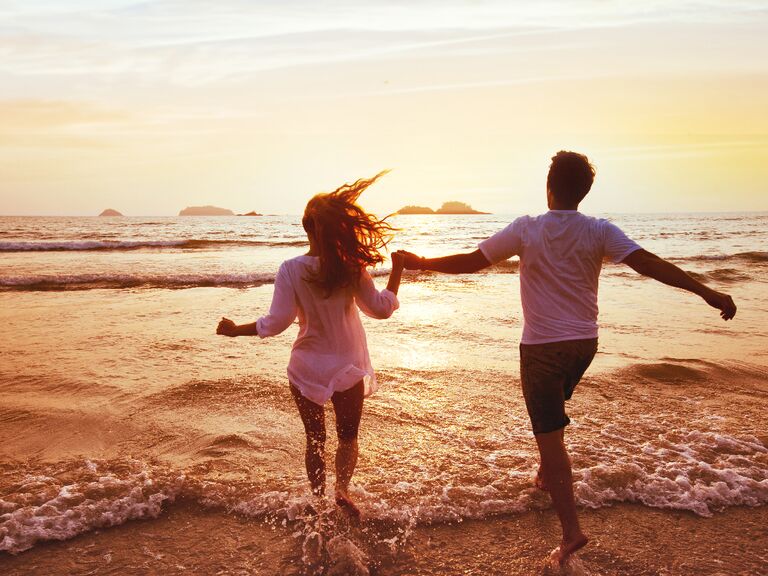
[[539, 480], [556, 472]]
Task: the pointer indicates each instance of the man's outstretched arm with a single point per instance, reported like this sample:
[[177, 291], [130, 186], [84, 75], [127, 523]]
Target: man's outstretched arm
[[454, 264], [648, 264]]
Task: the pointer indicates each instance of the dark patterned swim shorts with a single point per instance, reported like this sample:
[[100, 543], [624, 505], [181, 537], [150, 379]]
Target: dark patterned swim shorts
[[549, 373]]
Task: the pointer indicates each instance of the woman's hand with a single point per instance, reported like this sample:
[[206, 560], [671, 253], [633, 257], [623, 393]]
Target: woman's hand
[[398, 260], [410, 260], [397, 272], [226, 328]]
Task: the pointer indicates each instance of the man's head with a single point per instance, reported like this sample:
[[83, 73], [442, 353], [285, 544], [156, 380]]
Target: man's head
[[570, 178]]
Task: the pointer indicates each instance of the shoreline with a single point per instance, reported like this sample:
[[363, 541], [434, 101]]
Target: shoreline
[[626, 539]]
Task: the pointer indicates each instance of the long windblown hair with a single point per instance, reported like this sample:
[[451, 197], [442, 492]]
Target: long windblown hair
[[346, 238]]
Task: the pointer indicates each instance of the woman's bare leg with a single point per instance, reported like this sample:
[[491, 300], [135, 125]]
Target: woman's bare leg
[[313, 418], [348, 406]]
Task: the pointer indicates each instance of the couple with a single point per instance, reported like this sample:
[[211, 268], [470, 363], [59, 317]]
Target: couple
[[561, 253]]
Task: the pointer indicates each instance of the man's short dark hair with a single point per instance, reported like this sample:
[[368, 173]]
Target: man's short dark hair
[[570, 177]]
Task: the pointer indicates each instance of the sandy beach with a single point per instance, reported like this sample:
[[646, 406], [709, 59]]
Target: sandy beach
[[629, 540]]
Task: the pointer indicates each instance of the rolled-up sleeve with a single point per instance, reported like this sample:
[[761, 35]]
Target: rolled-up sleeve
[[372, 302], [283, 310]]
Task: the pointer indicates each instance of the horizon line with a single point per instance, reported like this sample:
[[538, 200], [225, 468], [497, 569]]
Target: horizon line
[[297, 214]]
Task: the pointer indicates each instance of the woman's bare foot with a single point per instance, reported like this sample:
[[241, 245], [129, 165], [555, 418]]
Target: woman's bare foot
[[567, 548], [310, 510], [344, 502]]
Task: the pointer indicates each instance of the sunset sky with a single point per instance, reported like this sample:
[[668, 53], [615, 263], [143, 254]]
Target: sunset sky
[[151, 106]]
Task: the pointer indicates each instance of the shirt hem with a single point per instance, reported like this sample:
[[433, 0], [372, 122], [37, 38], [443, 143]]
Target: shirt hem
[[341, 381]]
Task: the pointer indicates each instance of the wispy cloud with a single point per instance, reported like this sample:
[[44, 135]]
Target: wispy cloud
[[715, 147], [219, 19], [36, 115], [50, 125]]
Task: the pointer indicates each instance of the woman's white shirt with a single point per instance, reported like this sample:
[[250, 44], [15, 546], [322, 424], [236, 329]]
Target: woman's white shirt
[[330, 353]]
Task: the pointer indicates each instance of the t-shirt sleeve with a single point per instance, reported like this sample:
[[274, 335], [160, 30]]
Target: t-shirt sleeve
[[504, 244], [616, 244]]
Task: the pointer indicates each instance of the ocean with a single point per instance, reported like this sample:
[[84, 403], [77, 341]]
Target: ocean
[[135, 440]]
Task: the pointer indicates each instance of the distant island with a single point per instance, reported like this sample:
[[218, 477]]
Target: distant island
[[251, 214], [110, 212], [205, 211], [415, 210], [446, 208]]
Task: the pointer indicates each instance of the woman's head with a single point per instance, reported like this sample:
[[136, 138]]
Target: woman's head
[[345, 238]]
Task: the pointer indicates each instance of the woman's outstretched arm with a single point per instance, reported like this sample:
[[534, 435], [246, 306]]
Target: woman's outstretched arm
[[282, 312], [227, 327]]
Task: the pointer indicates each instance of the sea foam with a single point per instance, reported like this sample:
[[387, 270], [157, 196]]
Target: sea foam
[[44, 508], [699, 471]]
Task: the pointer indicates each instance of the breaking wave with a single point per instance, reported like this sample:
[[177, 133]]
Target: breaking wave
[[99, 245], [157, 281], [117, 281], [751, 257]]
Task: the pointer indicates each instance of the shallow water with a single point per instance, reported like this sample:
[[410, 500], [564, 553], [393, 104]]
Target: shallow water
[[117, 399]]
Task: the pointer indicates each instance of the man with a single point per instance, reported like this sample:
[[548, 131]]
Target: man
[[561, 253]]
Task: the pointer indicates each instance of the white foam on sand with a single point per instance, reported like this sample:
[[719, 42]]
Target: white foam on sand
[[44, 508], [699, 471], [691, 470]]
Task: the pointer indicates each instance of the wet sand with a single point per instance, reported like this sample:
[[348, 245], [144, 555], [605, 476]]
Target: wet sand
[[627, 540]]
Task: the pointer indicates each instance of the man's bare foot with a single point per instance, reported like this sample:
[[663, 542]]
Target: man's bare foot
[[567, 548], [344, 502], [539, 481]]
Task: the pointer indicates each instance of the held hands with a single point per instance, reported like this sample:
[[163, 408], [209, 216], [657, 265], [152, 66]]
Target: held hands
[[226, 328], [410, 260], [722, 302], [397, 272]]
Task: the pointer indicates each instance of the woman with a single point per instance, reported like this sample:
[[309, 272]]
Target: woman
[[329, 359]]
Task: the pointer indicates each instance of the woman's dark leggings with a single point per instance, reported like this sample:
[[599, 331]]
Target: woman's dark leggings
[[347, 405]]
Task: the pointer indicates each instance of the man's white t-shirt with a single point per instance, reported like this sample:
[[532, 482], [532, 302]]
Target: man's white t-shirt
[[561, 253]]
